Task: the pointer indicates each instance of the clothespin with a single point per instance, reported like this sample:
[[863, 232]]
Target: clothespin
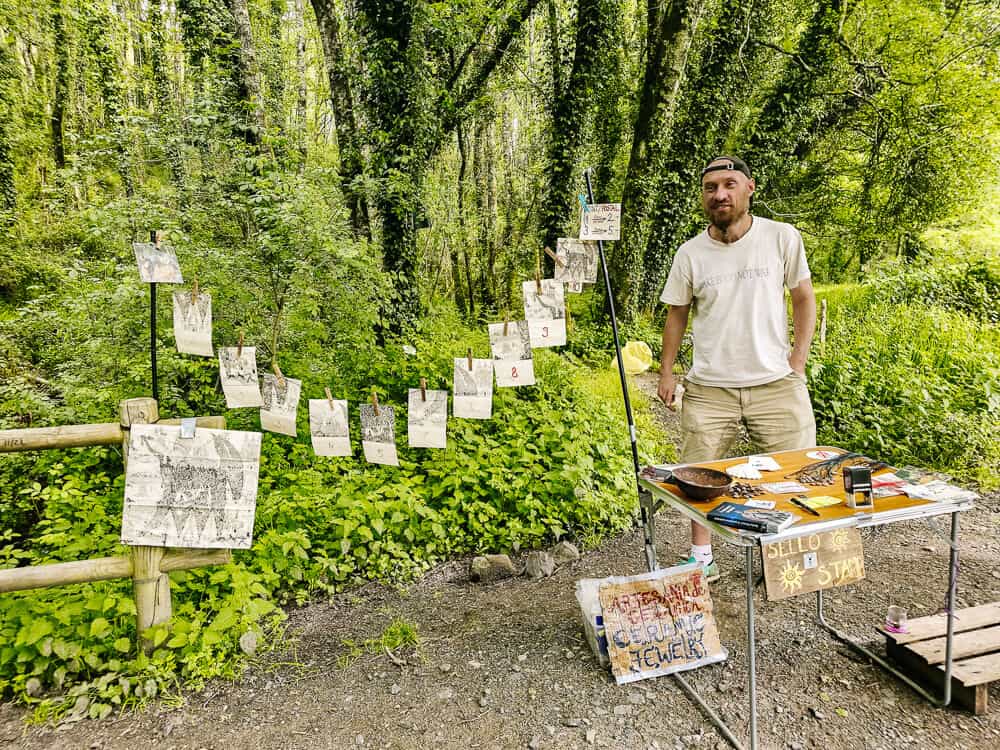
[[277, 373], [154, 237], [423, 389], [329, 397], [194, 291], [239, 345], [375, 402], [538, 274], [506, 321], [583, 202], [556, 259], [468, 354]]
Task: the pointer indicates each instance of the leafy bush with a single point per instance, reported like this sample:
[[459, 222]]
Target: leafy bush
[[911, 384]]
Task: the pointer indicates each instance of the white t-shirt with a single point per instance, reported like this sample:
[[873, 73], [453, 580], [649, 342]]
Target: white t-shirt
[[739, 324]]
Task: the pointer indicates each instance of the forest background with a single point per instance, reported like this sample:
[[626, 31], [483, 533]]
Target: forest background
[[352, 176]]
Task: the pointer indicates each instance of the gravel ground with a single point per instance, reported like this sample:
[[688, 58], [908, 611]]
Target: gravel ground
[[505, 665]]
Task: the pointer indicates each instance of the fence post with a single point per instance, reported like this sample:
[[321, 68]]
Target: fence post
[[151, 586]]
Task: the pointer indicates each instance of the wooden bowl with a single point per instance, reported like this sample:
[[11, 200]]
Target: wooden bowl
[[701, 484]]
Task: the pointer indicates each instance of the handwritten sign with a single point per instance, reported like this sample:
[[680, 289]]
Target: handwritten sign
[[813, 562], [601, 221], [659, 623]]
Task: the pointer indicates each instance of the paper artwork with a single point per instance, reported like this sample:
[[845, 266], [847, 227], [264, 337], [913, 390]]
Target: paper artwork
[[579, 263], [601, 221], [545, 312], [238, 373], [193, 323], [281, 404], [329, 427], [659, 623], [427, 420], [157, 265], [378, 435], [198, 492], [473, 389], [512, 354]]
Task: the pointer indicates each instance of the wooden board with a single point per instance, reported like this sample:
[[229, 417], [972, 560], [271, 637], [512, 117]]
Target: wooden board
[[813, 562], [973, 697], [972, 618], [972, 643], [977, 671], [790, 462]]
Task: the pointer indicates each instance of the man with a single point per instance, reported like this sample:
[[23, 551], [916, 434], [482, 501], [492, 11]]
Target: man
[[733, 276]]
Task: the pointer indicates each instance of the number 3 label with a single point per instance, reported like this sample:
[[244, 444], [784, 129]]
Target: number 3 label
[[545, 332]]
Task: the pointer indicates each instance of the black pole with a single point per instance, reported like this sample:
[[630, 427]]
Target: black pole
[[154, 238], [645, 501], [618, 346]]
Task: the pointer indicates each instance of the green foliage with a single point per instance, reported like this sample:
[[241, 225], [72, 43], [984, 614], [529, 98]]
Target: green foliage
[[910, 383]]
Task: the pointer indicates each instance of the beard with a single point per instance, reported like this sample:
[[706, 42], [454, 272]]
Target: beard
[[725, 215]]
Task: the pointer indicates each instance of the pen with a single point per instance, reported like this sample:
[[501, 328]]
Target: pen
[[799, 504]]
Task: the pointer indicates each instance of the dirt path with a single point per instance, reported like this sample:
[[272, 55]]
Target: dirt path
[[505, 666]]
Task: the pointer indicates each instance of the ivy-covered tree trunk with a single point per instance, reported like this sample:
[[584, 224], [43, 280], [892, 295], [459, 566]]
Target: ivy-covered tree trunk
[[246, 76], [701, 127], [165, 100], [570, 107], [795, 114], [8, 191], [59, 99], [345, 120], [668, 41]]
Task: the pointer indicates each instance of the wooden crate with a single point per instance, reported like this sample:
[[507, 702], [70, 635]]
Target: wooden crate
[[975, 653]]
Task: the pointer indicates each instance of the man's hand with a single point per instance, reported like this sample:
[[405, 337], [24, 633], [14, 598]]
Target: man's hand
[[797, 363], [667, 388]]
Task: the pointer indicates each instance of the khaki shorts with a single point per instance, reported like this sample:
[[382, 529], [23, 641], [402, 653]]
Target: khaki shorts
[[778, 416]]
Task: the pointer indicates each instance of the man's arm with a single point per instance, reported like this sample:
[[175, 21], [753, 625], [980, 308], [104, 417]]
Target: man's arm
[[673, 330], [804, 323]]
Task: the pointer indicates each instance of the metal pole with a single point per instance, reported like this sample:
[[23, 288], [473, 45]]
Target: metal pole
[[646, 515], [751, 650], [155, 239], [952, 580]]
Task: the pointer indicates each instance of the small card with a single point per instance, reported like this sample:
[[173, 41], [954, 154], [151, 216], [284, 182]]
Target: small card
[[238, 374], [763, 504], [601, 221], [512, 360], [545, 312], [281, 404], [378, 435], [193, 323], [784, 488], [157, 265], [473, 388], [763, 463], [427, 419], [329, 427], [821, 501]]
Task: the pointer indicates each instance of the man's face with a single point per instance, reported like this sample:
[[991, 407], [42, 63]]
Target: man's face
[[725, 196]]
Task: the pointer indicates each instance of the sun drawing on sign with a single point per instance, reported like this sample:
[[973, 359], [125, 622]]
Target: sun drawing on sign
[[791, 577], [839, 540]]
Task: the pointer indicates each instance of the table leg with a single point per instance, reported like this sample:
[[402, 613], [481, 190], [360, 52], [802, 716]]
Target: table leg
[[647, 511], [952, 585], [751, 650]]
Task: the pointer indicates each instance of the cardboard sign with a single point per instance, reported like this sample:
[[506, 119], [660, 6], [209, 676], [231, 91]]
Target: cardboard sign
[[198, 491], [813, 562], [601, 221], [659, 623]]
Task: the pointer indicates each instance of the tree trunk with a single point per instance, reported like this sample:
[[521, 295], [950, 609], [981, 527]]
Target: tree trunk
[[348, 140], [246, 76], [569, 111], [456, 270], [8, 81], [61, 44], [299, 120], [668, 44], [701, 127]]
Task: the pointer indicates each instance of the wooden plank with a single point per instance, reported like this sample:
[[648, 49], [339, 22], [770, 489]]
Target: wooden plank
[[971, 643], [67, 436], [813, 562], [58, 574], [932, 626], [973, 698], [977, 671], [185, 559]]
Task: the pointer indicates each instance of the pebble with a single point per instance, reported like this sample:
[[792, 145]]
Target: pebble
[[476, 664], [536, 742], [359, 740], [572, 723], [483, 701], [569, 654], [522, 657], [395, 689], [591, 736], [636, 699], [445, 668], [623, 710]]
